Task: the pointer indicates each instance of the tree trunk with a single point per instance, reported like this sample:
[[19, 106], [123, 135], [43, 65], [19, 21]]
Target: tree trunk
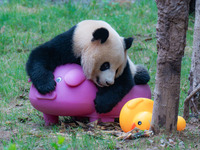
[[195, 68], [171, 40]]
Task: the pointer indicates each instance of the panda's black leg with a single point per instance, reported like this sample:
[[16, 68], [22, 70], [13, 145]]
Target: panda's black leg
[[108, 97], [142, 75]]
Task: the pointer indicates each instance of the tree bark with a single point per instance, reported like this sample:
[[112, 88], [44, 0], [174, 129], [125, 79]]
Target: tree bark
[[195, 68], [171, 40]]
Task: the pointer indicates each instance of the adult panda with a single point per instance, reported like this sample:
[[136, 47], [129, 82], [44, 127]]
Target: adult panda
[[101, 52]]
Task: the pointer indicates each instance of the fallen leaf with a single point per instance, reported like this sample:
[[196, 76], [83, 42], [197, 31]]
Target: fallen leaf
[[81, 124], [62, 128], [71, 125], [148, 39], [2, 29], [19, 105], [23, 120], [146, 59], [8, 122], [93, 124], [171, 142]]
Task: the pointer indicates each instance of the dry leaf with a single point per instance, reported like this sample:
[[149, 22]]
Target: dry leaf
[[134, 134], [148, 39], [81, 124], [19, 105], [63, 129], [2, 29], [93, 124], [23, 120], [115, 133], [8, 122]]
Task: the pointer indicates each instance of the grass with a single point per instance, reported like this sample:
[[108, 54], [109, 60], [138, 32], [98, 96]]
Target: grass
[[25, 24]]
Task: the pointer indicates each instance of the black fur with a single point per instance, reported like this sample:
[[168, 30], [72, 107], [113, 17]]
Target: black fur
[[108, 97], [59, 51], [128, 42], [142, 75], [100, 34], [44, 59]]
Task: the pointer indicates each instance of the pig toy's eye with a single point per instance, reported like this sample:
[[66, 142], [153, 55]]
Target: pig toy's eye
[[59, 79]]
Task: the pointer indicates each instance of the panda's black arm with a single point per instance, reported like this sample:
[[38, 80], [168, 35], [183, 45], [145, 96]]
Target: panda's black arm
[[45, 58], [108, 97]]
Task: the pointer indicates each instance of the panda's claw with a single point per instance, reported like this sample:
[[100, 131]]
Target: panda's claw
[[46, 88], [44, 84]]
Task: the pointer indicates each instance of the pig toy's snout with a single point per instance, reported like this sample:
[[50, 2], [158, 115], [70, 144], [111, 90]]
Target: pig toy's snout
[[74, 77], [48, 96]]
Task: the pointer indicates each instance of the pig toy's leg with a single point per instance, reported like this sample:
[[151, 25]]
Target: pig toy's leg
[[92, 119], [50, 119]]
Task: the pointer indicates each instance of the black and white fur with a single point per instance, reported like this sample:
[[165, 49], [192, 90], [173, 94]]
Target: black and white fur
[[102, 53]]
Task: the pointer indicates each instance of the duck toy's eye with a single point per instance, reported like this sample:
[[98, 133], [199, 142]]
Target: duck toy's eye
[[139, 122]]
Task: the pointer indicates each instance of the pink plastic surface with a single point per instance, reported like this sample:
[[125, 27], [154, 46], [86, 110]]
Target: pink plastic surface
[[74, 96]]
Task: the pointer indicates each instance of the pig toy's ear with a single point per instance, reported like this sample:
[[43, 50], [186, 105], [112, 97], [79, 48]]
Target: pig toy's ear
[[74, 77]]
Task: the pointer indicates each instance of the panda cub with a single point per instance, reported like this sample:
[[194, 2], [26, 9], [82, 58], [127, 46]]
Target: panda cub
[[101, 52]]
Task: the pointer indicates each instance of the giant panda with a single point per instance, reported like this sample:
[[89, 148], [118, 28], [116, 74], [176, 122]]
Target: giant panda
[[101, 52]]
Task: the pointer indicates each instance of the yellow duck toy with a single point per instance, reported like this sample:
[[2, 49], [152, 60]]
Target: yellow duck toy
[[138, 113]]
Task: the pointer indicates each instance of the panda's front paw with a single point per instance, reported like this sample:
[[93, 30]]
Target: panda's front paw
[[47, 87], [44, 83], [101, 107]]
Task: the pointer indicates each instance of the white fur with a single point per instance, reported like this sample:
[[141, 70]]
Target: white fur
[[94, 54], [107, 77], [132, 66]]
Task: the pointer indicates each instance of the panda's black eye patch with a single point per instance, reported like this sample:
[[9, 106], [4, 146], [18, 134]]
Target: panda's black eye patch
[[105, 66]]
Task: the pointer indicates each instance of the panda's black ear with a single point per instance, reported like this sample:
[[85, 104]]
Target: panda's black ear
[[100, 34], [128, 42]]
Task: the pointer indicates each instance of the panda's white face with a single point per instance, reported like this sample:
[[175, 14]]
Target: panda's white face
[[102, 63], [106, 69], [106, 74], [102, 51]]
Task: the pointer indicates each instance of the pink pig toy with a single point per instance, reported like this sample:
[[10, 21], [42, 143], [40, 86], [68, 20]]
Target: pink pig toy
[[74, 96]]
